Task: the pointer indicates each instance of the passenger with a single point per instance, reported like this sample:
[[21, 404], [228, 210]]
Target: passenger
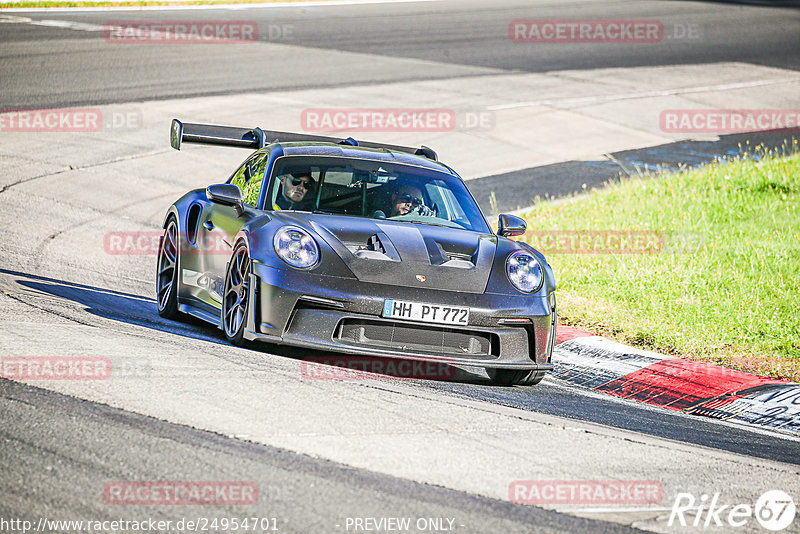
[[407, 198], [293, 191]]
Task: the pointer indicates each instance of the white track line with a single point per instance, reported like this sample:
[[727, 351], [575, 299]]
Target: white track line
[[68, 25], [645, 94]]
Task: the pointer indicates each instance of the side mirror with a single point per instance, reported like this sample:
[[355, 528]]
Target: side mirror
[[509, 225], [227, 194]]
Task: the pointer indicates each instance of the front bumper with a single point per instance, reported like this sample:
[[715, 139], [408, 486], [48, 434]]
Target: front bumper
[[344, 315]]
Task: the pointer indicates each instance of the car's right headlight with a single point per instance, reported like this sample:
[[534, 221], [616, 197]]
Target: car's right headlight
[[524, 271], [296, 247]]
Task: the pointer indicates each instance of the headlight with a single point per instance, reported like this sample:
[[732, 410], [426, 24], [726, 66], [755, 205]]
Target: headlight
[[296, 247], [524, 271]]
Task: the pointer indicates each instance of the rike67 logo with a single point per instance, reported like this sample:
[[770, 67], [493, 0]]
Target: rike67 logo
[[774, 510]]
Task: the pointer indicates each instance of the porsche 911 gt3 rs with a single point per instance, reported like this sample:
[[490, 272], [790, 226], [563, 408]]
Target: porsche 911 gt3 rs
[[358, 248]]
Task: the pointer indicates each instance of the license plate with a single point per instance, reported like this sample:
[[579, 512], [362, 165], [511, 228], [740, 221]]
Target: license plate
[[426, 313]]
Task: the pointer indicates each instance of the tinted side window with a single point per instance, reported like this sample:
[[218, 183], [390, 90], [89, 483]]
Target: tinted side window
[[249, 178], [253, 187], [238, 176]]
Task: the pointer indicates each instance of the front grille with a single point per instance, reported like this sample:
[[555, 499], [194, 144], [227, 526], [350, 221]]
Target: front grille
[[418, 338]]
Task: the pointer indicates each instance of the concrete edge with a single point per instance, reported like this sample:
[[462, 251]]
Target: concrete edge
[[59, 6]]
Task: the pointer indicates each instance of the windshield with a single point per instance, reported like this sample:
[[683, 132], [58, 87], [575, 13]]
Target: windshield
[[375, 189]]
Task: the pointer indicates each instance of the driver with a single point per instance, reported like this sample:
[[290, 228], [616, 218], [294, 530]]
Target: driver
[[294, 189], [408, 198]]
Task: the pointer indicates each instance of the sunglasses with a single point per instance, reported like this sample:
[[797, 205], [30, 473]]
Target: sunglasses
[[410, 199], [308, 184]]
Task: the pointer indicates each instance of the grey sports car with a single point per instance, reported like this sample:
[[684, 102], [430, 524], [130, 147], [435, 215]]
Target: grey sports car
[[358, 248]]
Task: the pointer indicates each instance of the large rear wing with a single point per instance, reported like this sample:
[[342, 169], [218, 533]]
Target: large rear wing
[[255, 138]]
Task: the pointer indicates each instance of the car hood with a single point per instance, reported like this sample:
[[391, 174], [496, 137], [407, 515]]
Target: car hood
[[407, 254]]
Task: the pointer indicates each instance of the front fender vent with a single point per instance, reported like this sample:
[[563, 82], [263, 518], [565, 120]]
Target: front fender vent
[[193, 222]]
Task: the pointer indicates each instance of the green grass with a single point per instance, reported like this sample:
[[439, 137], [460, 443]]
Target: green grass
[[725, 285]]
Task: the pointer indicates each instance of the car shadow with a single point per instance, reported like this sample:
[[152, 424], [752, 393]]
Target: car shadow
[[119, 306], [139, 310], [337, 366]]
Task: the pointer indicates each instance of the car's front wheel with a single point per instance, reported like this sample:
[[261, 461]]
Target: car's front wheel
[[236, 294], [514, 377], [167, 272]]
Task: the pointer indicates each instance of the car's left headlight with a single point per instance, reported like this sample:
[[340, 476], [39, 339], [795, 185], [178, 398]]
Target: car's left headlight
[[296, 247], [524, 271]]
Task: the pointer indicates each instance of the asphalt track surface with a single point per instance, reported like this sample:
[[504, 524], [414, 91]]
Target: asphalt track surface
[[461, 38], [48, 435], [302, 494], [550, 397]]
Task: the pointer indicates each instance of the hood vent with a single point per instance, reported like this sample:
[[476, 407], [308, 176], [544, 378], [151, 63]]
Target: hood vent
[[394, 253], [460, 261], [376, 248], [380, 247], [439, 256]]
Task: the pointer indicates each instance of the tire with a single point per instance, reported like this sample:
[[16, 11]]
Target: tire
[[514, 377], [167, 272], [236, 295]]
